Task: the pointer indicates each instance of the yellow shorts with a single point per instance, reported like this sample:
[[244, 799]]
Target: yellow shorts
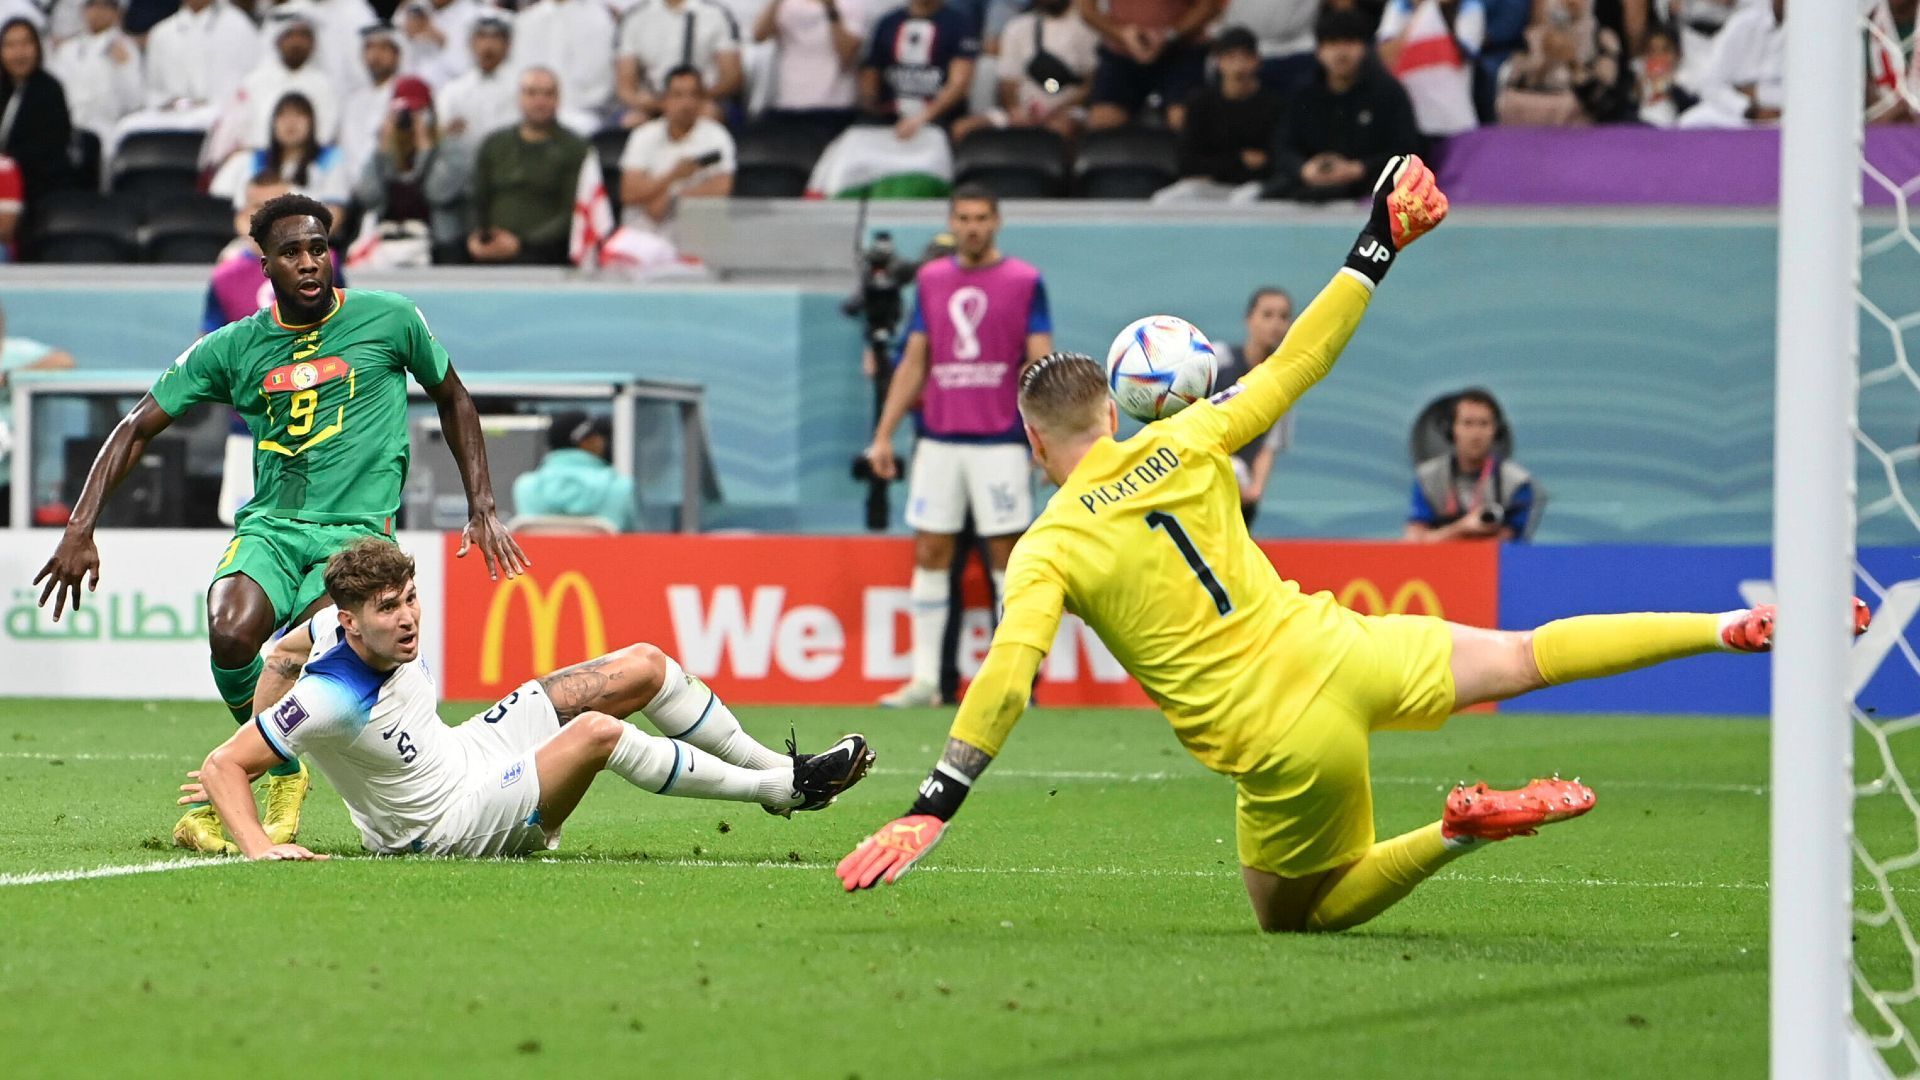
[[1309, 807]]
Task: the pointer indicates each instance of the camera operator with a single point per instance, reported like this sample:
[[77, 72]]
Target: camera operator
[[1470, 493], [978, 318]]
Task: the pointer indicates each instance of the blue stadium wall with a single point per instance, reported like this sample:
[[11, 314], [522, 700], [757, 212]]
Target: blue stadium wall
[[1635, 360], [1542, 583]]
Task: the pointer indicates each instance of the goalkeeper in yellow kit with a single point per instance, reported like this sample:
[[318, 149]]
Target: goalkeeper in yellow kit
[[1277, 689]]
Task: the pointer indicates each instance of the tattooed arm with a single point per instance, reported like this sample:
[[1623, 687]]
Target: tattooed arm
[[284, 665], [966, 758], [951, 779], [994, 702]]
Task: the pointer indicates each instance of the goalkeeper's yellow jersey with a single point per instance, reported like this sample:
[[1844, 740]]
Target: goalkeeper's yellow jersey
[[1145, 541]]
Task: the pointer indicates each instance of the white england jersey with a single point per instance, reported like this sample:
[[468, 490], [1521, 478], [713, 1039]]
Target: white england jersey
[[376, 736]]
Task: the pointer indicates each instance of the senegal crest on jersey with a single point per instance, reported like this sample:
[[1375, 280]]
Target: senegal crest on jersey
[[304, 375]]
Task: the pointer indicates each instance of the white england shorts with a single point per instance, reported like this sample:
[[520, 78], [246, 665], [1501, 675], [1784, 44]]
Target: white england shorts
[[995, 480], [498, 813]]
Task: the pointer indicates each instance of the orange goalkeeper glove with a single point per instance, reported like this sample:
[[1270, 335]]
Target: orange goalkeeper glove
[[892, 851], [1406, 206]]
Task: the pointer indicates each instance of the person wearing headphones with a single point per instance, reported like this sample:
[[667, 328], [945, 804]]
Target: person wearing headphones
[[1471, 493]]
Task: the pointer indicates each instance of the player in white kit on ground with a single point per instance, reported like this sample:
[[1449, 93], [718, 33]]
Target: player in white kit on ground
[[505, 781]]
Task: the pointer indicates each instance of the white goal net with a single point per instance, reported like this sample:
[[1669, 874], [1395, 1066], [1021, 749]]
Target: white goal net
[[1883, 673], [1845, 844]]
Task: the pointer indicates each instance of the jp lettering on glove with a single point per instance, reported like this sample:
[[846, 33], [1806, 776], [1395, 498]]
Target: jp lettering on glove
[[1406, 206]]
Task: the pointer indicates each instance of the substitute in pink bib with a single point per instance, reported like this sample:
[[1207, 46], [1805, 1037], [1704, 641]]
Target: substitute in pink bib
[[977, 320], [979, 317]]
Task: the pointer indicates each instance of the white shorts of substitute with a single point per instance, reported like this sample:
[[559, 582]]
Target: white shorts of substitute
[[498, 813], [995, 480]]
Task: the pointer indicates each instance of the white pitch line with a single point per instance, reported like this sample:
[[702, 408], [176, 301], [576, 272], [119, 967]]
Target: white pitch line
[[1449, 878], [1152, 872], [45, 877], [1418, 781], [1053, 775], [42, 755]]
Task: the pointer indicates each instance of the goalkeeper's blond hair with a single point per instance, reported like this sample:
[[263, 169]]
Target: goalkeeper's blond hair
[[1064, 393]]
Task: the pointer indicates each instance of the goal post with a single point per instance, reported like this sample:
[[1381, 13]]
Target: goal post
[[1811, 992]]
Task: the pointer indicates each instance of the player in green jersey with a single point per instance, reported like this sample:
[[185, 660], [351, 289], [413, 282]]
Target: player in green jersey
[[320, 377]]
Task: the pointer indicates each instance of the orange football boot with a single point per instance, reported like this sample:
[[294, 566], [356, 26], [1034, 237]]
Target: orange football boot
[[1480, 811]]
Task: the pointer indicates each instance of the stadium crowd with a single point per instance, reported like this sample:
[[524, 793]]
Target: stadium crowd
[[456, 131]]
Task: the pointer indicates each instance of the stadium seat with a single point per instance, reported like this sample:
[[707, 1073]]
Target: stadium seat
[[608, 145], [188, 230], [1126, 163], [1015, 163], [156, 182], [82, 226], [179, 149], [201, 212], [769, 181], [775, 161], [151, 161], [85, 248], [189, 248], [84, 152]]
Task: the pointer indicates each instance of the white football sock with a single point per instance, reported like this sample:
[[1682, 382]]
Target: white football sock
[[999, 594], [929, 593], [667, 767], [688, 710]]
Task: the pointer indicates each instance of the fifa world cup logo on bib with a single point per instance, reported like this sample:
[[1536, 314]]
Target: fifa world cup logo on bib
[[967, 307]]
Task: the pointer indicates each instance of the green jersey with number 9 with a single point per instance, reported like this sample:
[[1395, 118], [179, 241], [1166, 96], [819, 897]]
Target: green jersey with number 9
[[326, 403]]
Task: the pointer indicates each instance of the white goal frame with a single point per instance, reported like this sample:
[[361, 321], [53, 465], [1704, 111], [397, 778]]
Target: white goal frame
[[1817, 384]]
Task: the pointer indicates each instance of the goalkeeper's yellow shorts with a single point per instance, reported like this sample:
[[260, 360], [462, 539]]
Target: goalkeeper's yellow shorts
[[1309, 806]]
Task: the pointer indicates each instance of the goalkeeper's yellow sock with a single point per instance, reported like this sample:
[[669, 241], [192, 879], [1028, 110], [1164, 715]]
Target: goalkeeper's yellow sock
[[1383, 877], [1590, 646]]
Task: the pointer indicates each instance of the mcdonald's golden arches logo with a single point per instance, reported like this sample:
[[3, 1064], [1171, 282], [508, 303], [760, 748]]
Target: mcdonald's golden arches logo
[[543, 618], [1363, 596]]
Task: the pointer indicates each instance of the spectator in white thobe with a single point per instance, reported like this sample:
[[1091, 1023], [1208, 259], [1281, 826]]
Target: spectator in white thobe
[[336, 28], [1745, 79], [198, 55], [290, 68], [573, 38], [487, 97], [364, 108], [436, 33], [100, 70]]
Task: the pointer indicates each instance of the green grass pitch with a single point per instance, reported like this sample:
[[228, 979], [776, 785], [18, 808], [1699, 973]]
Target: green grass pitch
[[1084, 918]]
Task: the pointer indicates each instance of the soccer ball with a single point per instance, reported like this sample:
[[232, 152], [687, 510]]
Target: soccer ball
[[1158, 366]]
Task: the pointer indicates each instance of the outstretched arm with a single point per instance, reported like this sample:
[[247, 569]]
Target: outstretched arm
[[226, 780], [461, 423], [994, 702], [1406, 206], [76, 558]]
